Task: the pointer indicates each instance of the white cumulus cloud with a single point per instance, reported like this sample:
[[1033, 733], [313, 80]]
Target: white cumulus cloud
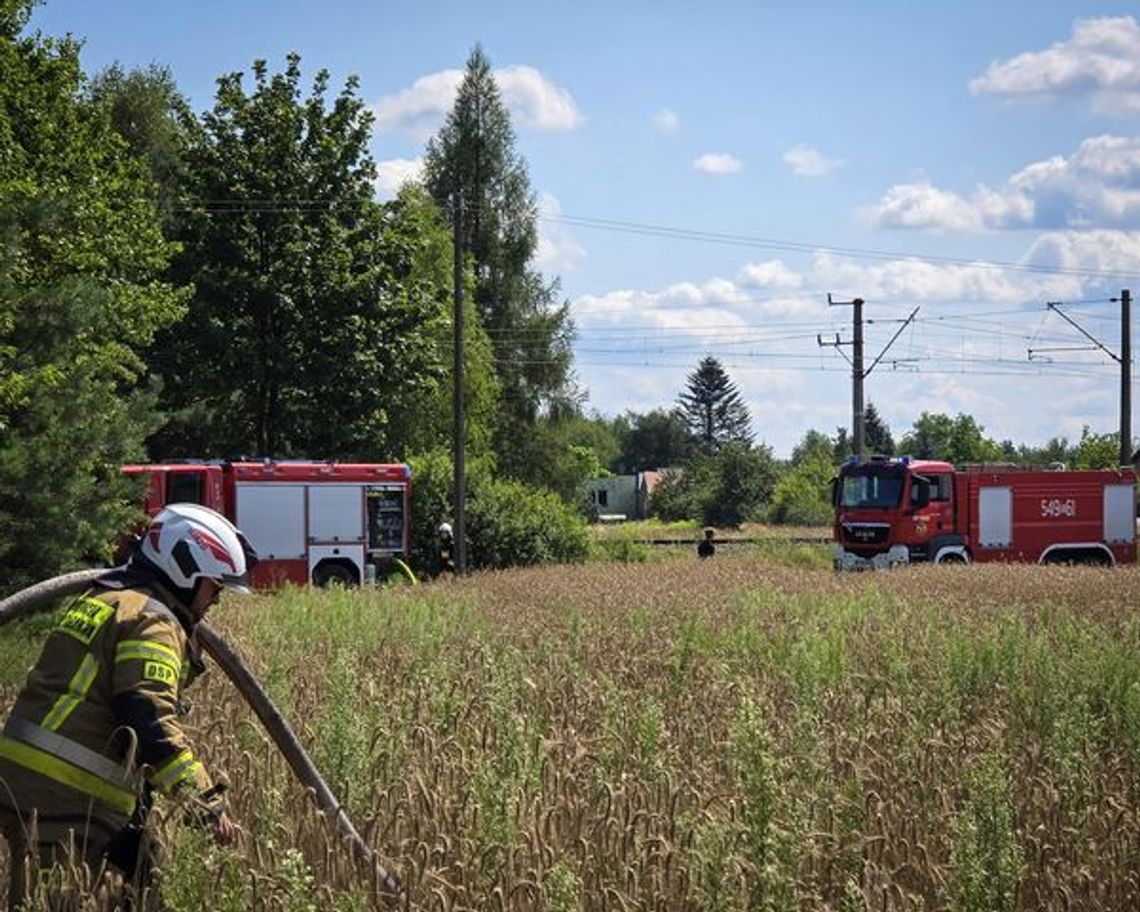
[[807, 161], [532, 99], [717, 163], [769, 274], [1098, 186], [395, 172], [535, 101], [666, 121], [421, 108], [1101, 61]]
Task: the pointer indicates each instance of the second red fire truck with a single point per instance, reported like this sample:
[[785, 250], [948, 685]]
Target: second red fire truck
[[897, 511], [310, 522]]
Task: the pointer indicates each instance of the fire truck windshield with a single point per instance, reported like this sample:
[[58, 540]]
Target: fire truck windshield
[[870, 489]]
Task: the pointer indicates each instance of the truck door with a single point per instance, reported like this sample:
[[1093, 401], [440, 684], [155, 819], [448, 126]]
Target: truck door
[[386, 518], [336, 533]]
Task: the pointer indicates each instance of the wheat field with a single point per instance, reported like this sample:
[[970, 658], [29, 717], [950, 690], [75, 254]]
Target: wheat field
[[750, 732]]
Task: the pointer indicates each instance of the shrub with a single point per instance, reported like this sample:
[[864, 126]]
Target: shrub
[[802, 496], [508, 524]]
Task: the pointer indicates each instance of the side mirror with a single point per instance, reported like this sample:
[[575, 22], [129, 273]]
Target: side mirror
[[835, 491], [921, 494]]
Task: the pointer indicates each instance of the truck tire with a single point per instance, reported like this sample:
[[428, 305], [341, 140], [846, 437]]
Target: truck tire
[[340, 573]]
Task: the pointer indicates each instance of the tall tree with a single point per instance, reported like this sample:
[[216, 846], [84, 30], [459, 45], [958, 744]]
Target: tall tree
[[713, 407], [80, 255], [310, 324], [474, 155]]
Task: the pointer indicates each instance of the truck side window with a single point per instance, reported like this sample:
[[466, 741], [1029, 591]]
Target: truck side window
[[942, 488], [185, 487]]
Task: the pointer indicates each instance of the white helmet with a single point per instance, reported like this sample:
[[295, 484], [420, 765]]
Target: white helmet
[[189, 542], [445, 528]]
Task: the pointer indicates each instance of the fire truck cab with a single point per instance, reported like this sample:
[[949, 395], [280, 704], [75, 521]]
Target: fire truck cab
[[310, 522], [895, 511]]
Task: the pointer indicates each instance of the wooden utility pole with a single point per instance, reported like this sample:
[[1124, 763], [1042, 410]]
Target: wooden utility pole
[[458, 419]]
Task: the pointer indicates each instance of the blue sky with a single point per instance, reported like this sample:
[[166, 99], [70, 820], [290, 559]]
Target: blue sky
[[708, 173]]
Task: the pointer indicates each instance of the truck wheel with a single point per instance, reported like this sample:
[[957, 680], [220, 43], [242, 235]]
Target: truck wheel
[[331, 572]]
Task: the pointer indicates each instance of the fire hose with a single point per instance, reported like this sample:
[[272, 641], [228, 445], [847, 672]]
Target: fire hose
[[44, 594]]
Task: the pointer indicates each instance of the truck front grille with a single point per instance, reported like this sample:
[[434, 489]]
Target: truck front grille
[[864, 534]]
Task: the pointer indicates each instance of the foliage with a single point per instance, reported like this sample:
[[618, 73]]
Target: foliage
[[713, 408], [81, 254], [802, 496], [724, 488], [311, 321], [507, 523], [815, 446], [149, 112], [561, 453], [658, 439], [876, 434], [987, 857], [1097, 451], [423, 416], [958, 440], [877, 439], [474, 155], [511, 525]]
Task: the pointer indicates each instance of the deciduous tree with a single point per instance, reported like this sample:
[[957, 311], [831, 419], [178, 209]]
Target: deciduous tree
[[310, 324]]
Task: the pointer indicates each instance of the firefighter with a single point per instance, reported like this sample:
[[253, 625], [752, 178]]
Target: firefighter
[[96, 729], [446, 548]]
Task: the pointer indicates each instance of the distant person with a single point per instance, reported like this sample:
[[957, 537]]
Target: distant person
[[706, 548], [446, 548]]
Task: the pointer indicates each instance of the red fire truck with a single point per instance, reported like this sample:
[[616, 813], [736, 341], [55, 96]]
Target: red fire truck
[[311, 522], [897, 511]]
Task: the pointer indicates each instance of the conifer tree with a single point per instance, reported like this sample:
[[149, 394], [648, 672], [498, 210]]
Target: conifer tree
[[474, 155], [713, 408]]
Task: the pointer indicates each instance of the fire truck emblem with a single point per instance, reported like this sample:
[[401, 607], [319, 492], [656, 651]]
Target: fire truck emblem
[[920, 527]]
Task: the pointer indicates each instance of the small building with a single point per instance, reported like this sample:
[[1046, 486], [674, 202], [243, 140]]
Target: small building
[[621, 497]]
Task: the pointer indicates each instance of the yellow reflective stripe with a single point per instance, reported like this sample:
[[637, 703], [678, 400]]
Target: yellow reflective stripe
[[126, 650], [64, 773], [174, 772], [81, 682]]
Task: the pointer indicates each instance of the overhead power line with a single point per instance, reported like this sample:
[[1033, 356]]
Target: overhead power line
[[743, 240]]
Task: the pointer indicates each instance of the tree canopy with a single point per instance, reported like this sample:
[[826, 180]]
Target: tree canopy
[[312, 321]]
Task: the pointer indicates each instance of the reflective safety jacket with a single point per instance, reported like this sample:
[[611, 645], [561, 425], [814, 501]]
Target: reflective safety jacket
[[104, 692]]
